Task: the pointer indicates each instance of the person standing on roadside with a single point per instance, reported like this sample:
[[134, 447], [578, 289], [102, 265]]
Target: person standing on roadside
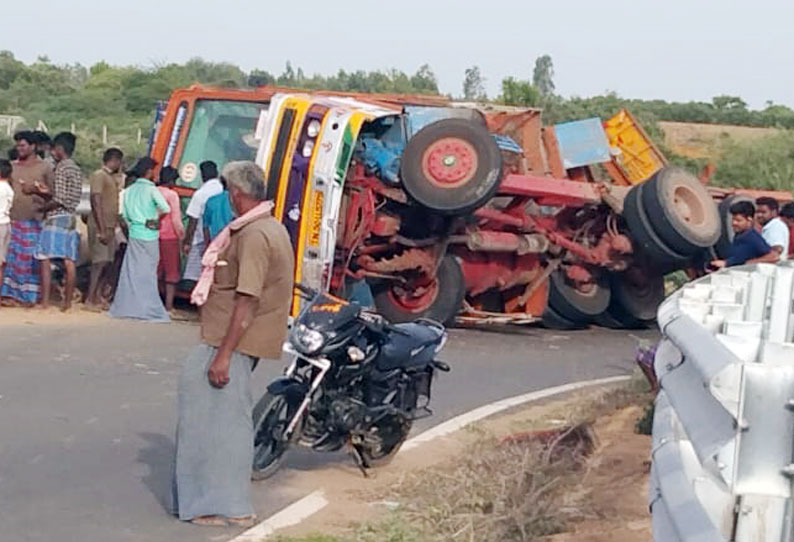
[[6, 200], [44, 146], [787, 216], [22, 278], [244, 309], [773, 230], [217, 213], [171, 231], [193, 244], [136, 293], [103, 221], [59, 239]]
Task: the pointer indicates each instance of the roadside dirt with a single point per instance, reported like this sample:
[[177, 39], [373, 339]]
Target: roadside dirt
[[616, 484], [77, 315], [34, 316], [613, 483]]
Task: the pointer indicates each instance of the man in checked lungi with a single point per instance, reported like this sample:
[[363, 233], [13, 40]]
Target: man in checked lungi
[[59, 239]]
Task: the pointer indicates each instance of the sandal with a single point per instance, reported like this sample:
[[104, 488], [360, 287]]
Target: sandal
[[242, 521], [210, 521]]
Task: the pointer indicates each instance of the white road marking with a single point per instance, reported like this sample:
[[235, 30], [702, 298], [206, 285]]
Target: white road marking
[[291, 515], [316, 501], [459, 422]]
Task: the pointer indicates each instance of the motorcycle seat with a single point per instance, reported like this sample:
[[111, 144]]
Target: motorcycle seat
[[412, 346]]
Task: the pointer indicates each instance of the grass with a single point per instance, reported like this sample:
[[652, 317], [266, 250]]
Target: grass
[[511, 491]]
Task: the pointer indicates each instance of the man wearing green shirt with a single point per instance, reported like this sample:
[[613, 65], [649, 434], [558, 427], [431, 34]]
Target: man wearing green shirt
[[136, 294]]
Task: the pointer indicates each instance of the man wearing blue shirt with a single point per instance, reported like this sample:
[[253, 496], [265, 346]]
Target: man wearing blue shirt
[[748, 246]]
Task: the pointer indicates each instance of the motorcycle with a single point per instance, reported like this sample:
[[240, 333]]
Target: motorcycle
[[355, 381]]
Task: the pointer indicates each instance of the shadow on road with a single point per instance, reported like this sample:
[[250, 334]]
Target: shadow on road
[[158, 455]]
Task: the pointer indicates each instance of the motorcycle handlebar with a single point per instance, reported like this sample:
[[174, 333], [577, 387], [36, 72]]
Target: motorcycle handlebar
[[308, 293]]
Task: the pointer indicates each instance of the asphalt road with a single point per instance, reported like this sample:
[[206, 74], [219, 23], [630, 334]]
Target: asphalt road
[[87, 418]]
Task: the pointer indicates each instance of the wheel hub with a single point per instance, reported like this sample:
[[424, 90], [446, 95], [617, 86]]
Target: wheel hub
[[688, 206], [450, 162], [416, 300]]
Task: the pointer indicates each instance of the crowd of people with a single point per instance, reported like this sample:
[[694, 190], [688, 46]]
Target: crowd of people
[[42, 188], [763, 233], [238, 256], [136, 238]]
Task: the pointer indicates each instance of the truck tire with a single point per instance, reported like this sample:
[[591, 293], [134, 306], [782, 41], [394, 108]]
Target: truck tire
[[552, 320], [575, 305], [441, 303], [647, 243], [632, 305], [452, 166], [681, 211], [723, 246]]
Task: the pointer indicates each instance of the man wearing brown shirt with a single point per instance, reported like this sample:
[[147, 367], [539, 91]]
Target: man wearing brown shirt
[[103, 220], [21, 282], [244, 319]]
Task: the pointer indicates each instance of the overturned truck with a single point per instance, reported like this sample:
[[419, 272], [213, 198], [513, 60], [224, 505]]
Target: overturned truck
[[450, 210]]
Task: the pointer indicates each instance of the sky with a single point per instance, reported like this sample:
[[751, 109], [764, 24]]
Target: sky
[[674, 50]]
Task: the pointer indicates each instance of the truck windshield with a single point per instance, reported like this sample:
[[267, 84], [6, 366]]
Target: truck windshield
[[221, 131]]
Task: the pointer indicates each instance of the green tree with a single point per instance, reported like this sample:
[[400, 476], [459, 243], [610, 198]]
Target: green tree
[[10, 69], [258, 78], [728, 103], [424, 80], [518, 92], [543, 75], [287, 78], [474, 84]]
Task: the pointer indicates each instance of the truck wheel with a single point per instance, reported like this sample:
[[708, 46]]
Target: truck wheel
[[681, 211], [646, 242], [440, 301], [553, 320], [452, 166], [723, 246], [636, 297], [577, 305]]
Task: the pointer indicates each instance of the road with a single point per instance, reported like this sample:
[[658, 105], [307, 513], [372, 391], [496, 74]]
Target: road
[[87, 417]]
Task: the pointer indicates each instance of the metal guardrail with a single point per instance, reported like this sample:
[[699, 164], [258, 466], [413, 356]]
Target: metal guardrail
[[723, 428]]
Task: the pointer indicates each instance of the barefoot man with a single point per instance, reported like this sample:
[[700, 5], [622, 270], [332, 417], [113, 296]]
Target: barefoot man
[[59, 239]]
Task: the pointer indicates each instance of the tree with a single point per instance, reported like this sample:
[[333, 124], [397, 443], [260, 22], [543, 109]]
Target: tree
[[287, 78], [10, 68], [258, 78], [517, 92], [727, 103], [543, 76], [474, 84], [424, 80]]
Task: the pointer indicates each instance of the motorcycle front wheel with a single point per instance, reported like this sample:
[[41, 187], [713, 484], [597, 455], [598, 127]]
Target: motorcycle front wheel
[[385, 440], [272, 414]]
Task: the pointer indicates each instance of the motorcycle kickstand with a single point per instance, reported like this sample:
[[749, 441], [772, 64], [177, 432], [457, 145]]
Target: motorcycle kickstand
[[359, 461]]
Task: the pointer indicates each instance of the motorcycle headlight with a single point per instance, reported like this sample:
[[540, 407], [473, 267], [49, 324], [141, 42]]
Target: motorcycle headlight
[[308, 341]]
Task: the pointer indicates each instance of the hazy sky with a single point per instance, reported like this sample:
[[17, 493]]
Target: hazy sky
[[672, 49]]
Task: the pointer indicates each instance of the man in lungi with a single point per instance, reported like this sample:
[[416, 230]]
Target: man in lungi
[[59, 239], [136, 294], [244, 291], [21, 278]]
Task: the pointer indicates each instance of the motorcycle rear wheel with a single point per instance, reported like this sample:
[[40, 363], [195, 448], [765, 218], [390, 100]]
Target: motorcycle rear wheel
[[271, 417], [393, 431]]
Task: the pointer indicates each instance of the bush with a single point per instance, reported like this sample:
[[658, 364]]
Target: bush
[[766, 163]]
